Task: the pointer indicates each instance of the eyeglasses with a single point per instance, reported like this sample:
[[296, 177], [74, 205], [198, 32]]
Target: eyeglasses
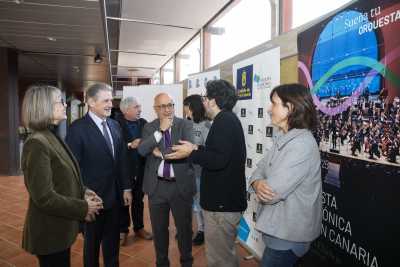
[[62, 102], [165, 107]]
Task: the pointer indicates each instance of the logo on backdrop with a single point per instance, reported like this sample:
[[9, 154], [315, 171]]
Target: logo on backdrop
[[250, 129], [268, 131], [254, 216], [249, 163], [263, 83], [243, 112], [244, 82], [260, 112], [259, 148]]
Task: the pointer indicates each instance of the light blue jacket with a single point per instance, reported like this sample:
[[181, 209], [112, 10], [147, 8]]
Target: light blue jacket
[[292, 169]]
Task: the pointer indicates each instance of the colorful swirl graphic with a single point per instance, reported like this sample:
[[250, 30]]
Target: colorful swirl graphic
[[376, 68]]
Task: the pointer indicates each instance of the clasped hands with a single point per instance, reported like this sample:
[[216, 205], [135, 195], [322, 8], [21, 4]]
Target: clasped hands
[[263, 191], [95, 204]]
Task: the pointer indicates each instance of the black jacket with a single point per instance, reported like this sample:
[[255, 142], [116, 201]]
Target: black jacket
[[101, 172], [134, 161], [223, 181]]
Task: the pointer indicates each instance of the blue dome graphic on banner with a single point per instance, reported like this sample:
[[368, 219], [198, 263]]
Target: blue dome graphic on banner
[[340, 40]]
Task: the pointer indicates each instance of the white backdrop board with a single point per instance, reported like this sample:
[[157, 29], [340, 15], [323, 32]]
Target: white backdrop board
[[254, 79], [145, 95], [197, 82]]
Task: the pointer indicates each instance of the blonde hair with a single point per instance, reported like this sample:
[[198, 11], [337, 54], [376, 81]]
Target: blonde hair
[[38, 106]]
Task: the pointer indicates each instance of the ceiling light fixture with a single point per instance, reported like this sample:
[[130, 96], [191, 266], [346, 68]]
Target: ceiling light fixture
[[215, 30], [52, 39]]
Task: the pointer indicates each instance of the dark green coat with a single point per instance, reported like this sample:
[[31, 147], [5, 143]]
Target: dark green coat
[[56, 195]]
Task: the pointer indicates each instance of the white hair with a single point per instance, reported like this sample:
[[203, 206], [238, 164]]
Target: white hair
[[127, 102]]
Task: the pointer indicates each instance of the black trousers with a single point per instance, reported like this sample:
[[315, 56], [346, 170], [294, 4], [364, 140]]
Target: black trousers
[[103, 231], [58, 259], [136, 209], [164, 200]]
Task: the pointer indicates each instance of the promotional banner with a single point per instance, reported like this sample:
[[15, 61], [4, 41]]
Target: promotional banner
[[197, 83], [360, 218], [350, 62], [254, 79]]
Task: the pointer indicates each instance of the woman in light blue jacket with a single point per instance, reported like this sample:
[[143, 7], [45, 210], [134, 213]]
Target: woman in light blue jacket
[[287, 180]]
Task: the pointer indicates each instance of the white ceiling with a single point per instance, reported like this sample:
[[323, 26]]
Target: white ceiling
[[154, 30], [137, 60], [153, 38], [186, 13]]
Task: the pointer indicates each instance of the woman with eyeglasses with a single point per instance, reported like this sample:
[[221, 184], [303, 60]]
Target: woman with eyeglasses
[[287, 180], [57, 198]]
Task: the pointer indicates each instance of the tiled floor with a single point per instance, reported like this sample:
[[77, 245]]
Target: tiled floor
[[138, 253]]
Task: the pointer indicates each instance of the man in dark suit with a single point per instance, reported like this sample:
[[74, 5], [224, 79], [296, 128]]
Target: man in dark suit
[[132, 127], [223, 182], [97, 144], [170, 185]]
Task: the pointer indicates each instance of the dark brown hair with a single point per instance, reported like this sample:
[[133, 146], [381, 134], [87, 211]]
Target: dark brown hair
[[223, 92], [196, 106], [303, 115]]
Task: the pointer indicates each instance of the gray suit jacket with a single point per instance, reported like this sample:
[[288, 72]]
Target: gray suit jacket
[[293, 169], [184, 172]]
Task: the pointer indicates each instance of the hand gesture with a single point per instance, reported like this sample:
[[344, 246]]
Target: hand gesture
[[181, 151], [134, 144], [157, 153]]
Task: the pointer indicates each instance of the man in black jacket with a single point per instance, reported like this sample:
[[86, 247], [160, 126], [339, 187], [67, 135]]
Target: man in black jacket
[[132, 126], [223, 182]]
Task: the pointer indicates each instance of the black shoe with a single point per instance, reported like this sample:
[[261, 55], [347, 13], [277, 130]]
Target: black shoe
[[198, 240], [123, 239]]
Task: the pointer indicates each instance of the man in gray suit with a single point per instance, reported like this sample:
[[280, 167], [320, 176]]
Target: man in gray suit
[[169, 184]]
